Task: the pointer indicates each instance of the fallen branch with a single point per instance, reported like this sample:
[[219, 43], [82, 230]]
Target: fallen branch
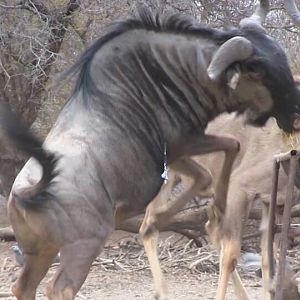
[[200, 260]]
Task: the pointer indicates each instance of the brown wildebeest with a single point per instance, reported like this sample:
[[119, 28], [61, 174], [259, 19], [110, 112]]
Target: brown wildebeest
[[147, 87]]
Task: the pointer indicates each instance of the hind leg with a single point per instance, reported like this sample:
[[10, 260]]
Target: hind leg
[[160, 210], [150, 233], [35, 268], [38, 253], [75, 262]]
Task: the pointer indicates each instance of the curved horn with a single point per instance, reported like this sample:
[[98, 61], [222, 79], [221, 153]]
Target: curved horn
[[235, 49], [258, 17], [292, 11]]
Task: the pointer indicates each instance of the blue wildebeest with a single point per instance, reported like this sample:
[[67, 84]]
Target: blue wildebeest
[[150, 84]]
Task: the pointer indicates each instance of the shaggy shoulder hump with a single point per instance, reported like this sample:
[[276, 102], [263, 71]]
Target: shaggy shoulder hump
[[146, 20]]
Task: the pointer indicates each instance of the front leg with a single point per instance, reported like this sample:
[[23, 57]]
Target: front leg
[[205, 144], [231, 147], [160, 211]]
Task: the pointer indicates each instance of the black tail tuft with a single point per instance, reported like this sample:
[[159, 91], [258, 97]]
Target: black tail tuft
[[27, 142]]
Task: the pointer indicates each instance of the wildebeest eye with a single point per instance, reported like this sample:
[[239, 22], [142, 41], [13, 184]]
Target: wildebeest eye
[[255, 76]]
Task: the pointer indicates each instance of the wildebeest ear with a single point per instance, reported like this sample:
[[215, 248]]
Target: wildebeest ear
[[234, 50], [233, 77]]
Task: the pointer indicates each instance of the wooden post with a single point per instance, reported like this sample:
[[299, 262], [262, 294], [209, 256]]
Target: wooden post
[[271, 223], [286, 220]]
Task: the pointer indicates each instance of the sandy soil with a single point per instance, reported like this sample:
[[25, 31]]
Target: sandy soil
[[121, 272]]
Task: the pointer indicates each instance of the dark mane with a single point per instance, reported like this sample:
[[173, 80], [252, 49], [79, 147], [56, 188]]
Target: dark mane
[[176, 23]]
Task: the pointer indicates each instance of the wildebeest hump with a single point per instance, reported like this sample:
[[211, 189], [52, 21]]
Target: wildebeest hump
[[152, 83]]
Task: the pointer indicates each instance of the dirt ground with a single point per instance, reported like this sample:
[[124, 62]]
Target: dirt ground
[[122, 272]]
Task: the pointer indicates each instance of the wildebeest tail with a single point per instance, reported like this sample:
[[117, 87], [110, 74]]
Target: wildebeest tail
[[22, 137]]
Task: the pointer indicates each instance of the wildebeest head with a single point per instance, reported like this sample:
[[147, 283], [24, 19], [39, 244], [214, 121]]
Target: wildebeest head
[[255, 66]]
